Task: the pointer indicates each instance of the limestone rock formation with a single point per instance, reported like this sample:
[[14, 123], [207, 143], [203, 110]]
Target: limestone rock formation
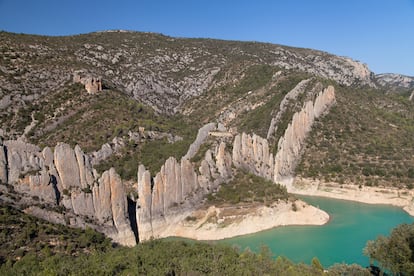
[[201, 137], [291, 95], [252, 154], [67, 166], [66, 178], [144, 205], [119, 206], [38, 187], [92, 85], [290, 145], [175, 186], [21, 159]]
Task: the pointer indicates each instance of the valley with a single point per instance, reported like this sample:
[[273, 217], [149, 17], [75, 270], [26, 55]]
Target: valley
[[142, 136]]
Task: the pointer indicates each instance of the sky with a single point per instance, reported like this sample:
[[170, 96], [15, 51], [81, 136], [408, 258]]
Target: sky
[[379, 33]]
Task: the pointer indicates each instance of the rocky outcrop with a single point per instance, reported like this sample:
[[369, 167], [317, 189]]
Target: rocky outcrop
[[143, 212], [202, 135], [67, 166], [119, 208], [172, 185], [395, 80], [22, 158], [175, 188], [290, 96], [92, 84], [291, 144], [251, 152], [66, 178]]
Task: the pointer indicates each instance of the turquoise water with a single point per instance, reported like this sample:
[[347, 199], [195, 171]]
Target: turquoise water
[[342, 240]]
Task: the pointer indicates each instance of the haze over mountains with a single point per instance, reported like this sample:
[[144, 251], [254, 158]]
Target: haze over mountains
[[179, 118]]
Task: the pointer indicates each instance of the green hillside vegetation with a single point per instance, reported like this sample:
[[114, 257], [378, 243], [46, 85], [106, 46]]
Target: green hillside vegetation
[[365, 139], [92, 120], [31, 246], [394, 253], [248, 188]]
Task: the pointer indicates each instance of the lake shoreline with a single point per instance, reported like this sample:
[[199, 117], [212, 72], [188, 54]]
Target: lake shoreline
[[219, 223], [224, 222], [402, 198]]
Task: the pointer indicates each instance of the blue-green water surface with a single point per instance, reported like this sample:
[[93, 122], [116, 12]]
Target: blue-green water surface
[[341, 240]]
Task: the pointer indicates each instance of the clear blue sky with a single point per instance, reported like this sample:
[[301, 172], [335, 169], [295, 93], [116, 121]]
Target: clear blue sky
[[377, 32]]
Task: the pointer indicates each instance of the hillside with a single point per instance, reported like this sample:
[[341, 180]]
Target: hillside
[[178, 119]]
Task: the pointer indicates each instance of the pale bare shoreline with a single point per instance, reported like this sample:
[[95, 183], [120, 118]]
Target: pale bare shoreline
[[218, 223], [371, 195]]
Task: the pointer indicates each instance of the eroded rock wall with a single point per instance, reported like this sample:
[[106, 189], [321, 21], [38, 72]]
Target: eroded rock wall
[[65, 177], [251, 152], [168, 196], [291, 143]]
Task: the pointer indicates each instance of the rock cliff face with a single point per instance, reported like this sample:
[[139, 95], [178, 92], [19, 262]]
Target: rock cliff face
[[291, 144], [290, 96], [252, 152], [65, 178], [395, 80], [176, 188]]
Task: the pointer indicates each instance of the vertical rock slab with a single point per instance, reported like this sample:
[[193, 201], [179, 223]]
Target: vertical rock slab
[[85, 168], [120, 210], [201, 137], [144, 204], [15, 165], [291, 95], [189, 179], [67, 166], [291, 143], [252, 154], [22, 158], [157, 200], [47, 156], [204, 179], [170, 184], [82, 203], [324, 100], [223, 161], [101, 195]]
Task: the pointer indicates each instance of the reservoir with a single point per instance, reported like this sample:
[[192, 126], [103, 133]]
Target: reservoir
[[341, 240]]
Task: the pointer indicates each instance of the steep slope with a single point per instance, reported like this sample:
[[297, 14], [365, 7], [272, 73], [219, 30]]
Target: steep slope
[[160, 71]]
